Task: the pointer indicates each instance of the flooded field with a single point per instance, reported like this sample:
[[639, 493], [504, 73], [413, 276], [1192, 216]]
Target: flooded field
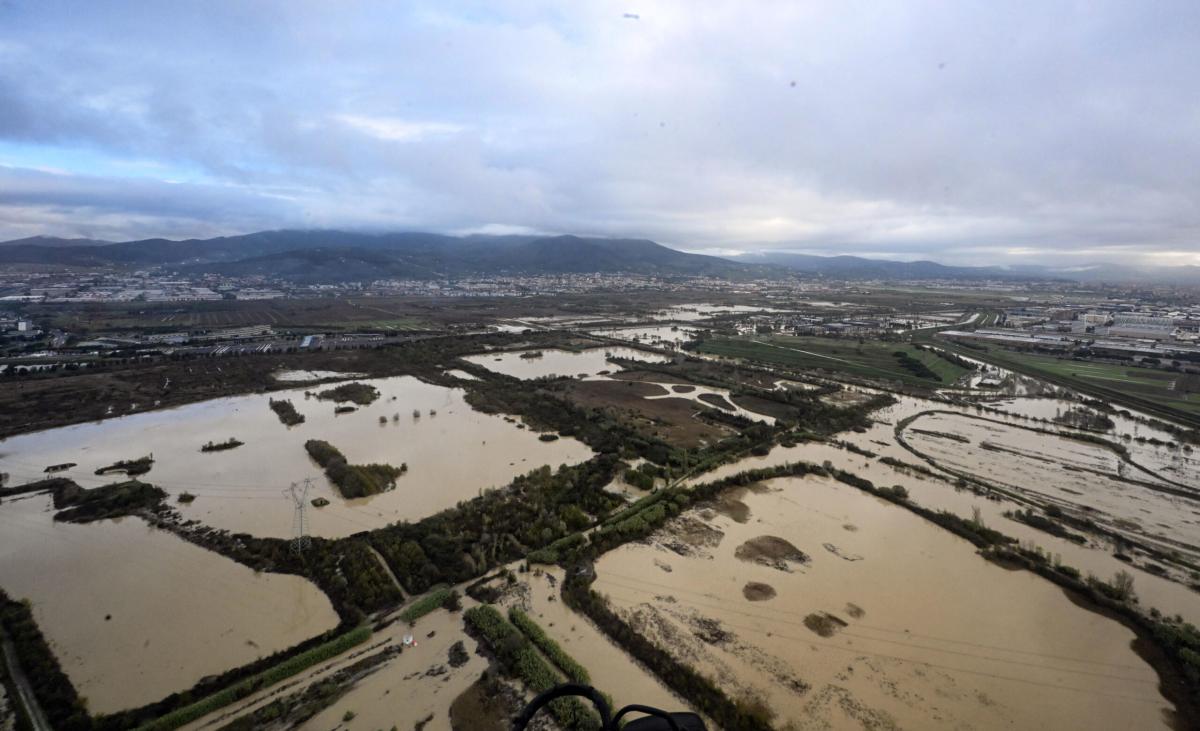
[[417, 686], [302, 376], [413, 684], [665, 335], [1068, 472], [611, 670], [1176, 462], [551, 362], [134, 613], [451, 450], [844, 611], [715, 397], [704, 311], [939, 492]]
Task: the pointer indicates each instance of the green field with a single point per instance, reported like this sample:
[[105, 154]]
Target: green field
[[868, 359], [1142, 383]]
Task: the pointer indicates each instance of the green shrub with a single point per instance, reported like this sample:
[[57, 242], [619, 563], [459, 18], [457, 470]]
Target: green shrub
[[567, 664], [519, 657], [426, 604]]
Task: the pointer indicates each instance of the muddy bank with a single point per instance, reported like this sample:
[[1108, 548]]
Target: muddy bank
[[756, 591], [773, 551]]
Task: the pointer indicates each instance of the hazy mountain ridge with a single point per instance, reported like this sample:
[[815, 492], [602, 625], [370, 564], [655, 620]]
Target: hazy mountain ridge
[[334, 255], [349, 256]]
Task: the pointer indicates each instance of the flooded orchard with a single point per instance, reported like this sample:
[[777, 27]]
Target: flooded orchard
[[879, 619], [134, 613], [452, 453]]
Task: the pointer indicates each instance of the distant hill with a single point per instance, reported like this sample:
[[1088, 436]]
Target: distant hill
[[347, 256], [857, 267], [53, 241], [341, 256]]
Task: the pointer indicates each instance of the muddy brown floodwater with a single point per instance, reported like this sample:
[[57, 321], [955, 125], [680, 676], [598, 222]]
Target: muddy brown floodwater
[[134, 613], [559, 362], [452, 452], [1170, 597], [922, 632]]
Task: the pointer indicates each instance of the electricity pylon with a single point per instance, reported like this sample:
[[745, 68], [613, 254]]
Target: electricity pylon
[[299, 496]]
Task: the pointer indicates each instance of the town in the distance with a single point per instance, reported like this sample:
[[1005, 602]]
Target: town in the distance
[[334, 480]]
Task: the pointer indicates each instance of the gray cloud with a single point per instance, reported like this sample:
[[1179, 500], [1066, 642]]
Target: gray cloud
[[965, 132]]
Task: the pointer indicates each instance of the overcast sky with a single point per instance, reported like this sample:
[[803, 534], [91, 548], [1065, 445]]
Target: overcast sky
[[989, 132]]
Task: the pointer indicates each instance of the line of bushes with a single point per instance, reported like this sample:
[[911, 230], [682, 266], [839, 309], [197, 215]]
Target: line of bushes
[[554, 553], [498, 526], [63, 707], [435, 599], [519, 658], [549, 647], [704, 695], [283, 670], [1034, 520]]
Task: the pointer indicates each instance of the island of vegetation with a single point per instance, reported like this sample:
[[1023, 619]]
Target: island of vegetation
[[77, 505], [532, 354], [353, 480], [59, 467], [229, 443], [359, 393], [286, 412], [130, 467]]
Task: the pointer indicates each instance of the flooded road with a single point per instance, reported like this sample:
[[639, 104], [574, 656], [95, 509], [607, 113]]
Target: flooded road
[[134, 613], [452, 452], [891, 622]]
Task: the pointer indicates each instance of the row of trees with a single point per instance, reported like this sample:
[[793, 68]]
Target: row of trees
[[499, 526], [63, 707]]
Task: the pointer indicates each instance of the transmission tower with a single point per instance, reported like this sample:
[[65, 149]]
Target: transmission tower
[[299, 495]]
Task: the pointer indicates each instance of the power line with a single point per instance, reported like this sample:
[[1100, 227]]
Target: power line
[[299, 497]]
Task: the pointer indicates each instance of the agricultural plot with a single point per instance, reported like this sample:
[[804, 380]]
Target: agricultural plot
[[1171, 390], [868, 359]]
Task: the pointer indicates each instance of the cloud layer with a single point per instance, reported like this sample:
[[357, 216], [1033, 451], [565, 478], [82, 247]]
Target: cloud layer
[[966, 132]]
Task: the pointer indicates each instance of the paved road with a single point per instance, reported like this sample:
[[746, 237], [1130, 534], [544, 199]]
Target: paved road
[[24, 693]]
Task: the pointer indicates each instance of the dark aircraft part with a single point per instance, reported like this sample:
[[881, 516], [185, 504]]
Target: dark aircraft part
[[654, 720]]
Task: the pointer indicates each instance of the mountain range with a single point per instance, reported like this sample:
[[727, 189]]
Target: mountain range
[[334, 256], [342, 256]]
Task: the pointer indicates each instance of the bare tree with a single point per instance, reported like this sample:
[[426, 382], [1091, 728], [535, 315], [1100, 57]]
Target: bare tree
[[1122, 584]]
